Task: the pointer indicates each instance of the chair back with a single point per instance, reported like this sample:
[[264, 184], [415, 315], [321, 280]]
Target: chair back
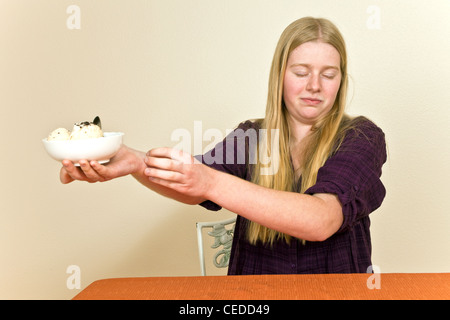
[[222, 237]]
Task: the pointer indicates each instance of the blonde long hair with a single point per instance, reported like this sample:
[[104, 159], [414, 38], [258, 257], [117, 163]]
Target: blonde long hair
[[325, 133]]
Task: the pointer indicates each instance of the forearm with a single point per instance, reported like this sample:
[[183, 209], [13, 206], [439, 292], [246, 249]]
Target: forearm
[[313, 218]]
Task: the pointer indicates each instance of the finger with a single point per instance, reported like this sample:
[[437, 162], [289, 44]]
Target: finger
[[166, 175], [163, 163], [90, 173], [159, 152], [176, 186], [162, 182], [71, 171], [172, 153], [101, 170]]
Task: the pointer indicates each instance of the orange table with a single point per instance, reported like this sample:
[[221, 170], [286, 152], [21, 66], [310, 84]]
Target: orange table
[[401, 286]]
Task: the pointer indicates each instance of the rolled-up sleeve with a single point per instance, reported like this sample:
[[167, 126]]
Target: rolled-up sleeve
[[231, 155], [353, 173]]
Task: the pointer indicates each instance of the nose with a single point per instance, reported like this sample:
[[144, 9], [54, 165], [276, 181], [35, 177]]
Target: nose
[[313, 84]]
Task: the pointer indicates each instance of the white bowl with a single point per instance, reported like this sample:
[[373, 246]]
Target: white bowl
[[101, 149]]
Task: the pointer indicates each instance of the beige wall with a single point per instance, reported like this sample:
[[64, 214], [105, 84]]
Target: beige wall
[[151, 67]]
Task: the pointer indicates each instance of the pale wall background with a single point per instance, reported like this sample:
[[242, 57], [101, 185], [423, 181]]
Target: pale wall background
[[150, 67]]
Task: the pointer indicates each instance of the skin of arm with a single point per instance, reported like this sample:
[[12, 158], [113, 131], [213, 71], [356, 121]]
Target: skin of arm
[[126, 162], [177, 175], [309, 217]]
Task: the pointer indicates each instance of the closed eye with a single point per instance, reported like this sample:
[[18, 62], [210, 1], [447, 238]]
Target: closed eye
[[329, 76]]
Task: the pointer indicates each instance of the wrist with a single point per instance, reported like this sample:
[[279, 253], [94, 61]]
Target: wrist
[[135, 160], [212, 184]]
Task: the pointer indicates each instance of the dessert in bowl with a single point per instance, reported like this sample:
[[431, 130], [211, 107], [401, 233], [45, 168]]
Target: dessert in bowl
[[86, 141]]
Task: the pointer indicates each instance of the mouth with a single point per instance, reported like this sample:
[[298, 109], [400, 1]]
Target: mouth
[[311, 101]]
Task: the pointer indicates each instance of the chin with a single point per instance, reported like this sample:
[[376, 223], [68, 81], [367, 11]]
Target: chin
[[310, 117]]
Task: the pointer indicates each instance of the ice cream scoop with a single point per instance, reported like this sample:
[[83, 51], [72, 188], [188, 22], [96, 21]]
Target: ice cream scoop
[[85, 130], [59, 134]]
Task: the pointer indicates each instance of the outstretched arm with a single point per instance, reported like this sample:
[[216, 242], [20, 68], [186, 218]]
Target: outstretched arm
[[309, 217], [126, 161], [179, 176]]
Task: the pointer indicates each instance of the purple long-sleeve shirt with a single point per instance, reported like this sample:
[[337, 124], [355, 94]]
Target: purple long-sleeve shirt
[[352, 173]]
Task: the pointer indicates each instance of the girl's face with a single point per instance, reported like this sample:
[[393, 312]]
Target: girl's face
[[311, 81]]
